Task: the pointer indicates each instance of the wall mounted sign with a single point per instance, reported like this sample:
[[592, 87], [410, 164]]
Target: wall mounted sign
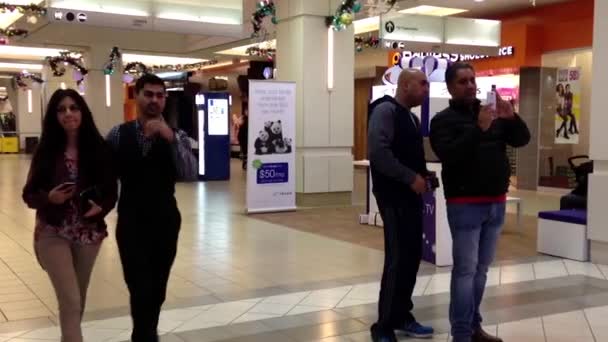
[[413, 28], [504, 51], [401, 27]]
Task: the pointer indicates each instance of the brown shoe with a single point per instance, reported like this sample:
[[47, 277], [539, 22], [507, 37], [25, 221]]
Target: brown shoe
[[482, 336]]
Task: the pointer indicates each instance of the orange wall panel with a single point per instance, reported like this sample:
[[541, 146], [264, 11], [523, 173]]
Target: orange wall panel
[[534, 31], [512, 35]]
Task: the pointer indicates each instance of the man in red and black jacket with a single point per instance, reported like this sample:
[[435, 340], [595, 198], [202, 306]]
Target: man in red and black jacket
[[471, 142]]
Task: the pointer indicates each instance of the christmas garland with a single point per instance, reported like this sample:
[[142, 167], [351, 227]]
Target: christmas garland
[[183, 67], [114, 58], [30, 9], [141, 68], [136, 68], [65, 58], [261, 52], [264, 8], [344, 16], [12, 32], [368, 42], [20, 79]]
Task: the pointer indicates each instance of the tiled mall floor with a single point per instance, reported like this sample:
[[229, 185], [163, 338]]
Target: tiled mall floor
[[237, 278]]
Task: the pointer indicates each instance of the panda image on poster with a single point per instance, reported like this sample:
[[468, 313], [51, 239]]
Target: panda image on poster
[[271, 140], [262, 143]]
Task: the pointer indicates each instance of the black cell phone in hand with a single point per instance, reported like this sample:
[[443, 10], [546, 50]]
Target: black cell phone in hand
[[66, 185], [89, 194]]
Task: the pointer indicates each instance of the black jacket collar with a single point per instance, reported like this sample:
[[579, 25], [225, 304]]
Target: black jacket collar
[[466, 108]]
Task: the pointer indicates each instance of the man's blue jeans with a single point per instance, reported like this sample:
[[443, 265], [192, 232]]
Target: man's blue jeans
[[475, 230]]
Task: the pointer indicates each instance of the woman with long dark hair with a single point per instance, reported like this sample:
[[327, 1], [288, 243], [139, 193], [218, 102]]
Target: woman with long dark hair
[[72, 186]]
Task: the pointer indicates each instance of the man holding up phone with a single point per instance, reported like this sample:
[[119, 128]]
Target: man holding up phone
[[471, 142], [150, 158]]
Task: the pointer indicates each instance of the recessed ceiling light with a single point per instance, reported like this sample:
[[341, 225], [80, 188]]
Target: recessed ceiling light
[[366, 25], [433, 10], [159, 60], [20, 66], [480, 0]]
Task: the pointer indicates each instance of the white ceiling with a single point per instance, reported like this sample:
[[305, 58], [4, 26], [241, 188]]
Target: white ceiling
[[479, 9], [202, 43]]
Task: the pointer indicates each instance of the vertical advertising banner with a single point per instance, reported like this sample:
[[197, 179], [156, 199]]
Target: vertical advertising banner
[[568, 106], [271, 175]]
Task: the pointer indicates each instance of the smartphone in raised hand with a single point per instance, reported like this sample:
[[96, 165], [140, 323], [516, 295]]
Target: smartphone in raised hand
[[66, 185]]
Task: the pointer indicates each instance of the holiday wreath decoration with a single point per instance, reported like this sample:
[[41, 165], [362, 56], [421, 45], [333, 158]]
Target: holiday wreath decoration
[[20, 79], [344, 16], [264, 8], [66, 58]]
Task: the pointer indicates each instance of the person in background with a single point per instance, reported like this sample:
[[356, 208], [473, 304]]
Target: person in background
[[151, 158], [243, 136], [72, 186], [399, 172], [471, 142]]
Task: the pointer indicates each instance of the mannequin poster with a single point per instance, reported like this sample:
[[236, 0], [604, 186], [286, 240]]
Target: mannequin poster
[[568, 108]]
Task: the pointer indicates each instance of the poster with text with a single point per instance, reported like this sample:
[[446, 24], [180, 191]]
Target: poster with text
[[568, 106], [271, 175]]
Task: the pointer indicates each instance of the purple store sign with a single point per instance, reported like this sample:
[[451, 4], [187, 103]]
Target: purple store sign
[[428, 228]]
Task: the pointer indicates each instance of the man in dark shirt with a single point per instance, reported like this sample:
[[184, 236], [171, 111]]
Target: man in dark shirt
[[150, 157], [398, 167], [471, 142]]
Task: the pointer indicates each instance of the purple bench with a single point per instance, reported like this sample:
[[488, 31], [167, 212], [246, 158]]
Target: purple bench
[[575, 216], [563, 233]]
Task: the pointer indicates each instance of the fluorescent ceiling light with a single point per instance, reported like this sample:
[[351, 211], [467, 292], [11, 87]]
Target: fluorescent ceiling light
[[159, 60], [21, 52], [108, 92], [30, 105], [83, 6], [370, 24], [8, 18], [433, 10], [330, 58], [20, 66], [203, 19], [242, 50], [6, 76], [169, 74]]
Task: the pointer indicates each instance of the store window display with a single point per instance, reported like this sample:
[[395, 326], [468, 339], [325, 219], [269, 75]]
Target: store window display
[[8, 120]]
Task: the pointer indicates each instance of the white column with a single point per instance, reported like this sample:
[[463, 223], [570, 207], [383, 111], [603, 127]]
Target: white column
[[324, 118], [598, 183], [29, 112], [106, 112]]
